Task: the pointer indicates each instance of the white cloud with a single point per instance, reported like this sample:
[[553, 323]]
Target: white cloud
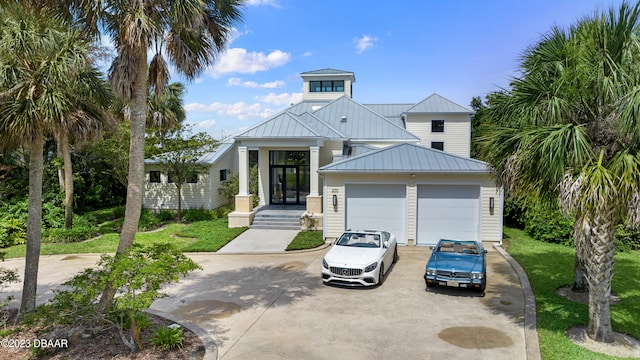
[[307, 53], [364, 42], [273, 3], [207, 124], [239, 60], [254, 85], [239, 110], [282, 99]]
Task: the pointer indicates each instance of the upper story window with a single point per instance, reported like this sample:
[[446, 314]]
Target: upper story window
[[154, 177], [223, 175], [437, 125], [438, 145], [326, 86]]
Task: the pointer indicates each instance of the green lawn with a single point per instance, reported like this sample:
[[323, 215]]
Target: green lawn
[[550, 266], [306, 240], [199, 236], [208, 235]]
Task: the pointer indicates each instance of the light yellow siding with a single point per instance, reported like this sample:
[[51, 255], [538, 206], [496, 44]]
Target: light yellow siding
[[456, 136], [204, 194], [164, 195]]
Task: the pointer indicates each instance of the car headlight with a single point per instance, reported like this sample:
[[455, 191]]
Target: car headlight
[[371, 267], [476, 275], [431, 272], [324, 264]]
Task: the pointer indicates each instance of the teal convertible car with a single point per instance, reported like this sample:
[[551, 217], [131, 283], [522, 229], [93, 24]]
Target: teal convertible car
[[457, 263]]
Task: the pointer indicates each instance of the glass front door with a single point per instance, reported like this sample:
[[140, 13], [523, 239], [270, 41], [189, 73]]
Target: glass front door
[[284, 185]]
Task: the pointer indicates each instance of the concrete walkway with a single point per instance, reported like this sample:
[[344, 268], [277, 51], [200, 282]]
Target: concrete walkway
[[259, 241], [274, 306]]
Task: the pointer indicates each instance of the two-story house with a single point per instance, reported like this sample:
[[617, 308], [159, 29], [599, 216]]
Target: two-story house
[[399, 167]]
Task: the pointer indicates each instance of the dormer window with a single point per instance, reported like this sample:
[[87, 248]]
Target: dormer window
[[326, 86]]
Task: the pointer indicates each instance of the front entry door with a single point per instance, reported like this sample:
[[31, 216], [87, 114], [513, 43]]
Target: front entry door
[[284, 184]]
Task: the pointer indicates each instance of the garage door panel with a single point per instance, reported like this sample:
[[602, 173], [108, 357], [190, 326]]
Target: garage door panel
[[447, 211], [377, 206]]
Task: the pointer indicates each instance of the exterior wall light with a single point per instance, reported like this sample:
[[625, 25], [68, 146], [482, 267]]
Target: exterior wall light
[[491, 203], [335, 200]]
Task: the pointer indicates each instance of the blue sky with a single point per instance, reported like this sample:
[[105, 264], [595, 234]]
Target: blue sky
[[400, 52]]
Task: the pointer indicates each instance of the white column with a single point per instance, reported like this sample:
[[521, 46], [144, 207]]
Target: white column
[[243, 171], [314, 152]]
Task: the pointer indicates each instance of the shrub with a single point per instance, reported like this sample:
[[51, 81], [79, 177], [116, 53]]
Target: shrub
[[139, 275], [548, 225], [13, 231], [191, 215], [166, 215], [627, 239], [167, 338], [148, 221], [84, 228]]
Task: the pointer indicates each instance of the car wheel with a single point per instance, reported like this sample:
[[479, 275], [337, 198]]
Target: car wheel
[[395, 255], [381, 274]]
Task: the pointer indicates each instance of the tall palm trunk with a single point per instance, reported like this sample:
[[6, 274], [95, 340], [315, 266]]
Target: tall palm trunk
[[34, 224], [59, 167], [599, 275], [581, 243], [179, 201], [135, 184], [68, 179]]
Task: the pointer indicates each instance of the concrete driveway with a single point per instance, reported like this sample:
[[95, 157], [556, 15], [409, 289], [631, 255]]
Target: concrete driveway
[[274, 306]]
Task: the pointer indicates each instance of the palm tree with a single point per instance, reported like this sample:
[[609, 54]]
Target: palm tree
[[190, 33], [43, 63], [568, 129]]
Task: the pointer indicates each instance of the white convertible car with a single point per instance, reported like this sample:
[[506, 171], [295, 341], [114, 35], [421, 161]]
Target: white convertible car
[[360, 257]]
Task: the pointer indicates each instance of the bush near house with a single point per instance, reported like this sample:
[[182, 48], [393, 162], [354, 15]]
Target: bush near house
[[550, 225]]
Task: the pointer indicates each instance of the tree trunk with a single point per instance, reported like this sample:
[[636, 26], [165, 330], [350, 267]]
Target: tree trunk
[[179, 201], [59, 168], [135, 181], [599, 274], [68, 180], [34, 225], [582, 252]]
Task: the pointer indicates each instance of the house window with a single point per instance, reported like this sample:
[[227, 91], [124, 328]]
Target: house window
[[223, 175], [154, 177], [170, 179], [192, 178], [437, 125], [326, 86], [439, 145]]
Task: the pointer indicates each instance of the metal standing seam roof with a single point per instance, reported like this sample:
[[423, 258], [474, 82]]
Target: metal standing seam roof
[[437, 104], [327, 71], [407, 157], [322, 127], [360, 122], [283, 125], [206, 158]]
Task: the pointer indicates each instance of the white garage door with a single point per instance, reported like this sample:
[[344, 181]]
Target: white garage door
[[377, 206], [448, 212]]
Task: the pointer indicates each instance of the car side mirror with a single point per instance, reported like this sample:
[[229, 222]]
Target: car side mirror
[[485, 251], [432, 247], [385, 244]]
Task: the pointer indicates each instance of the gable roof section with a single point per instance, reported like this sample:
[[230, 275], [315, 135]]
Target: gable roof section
[[361, 123], [208, 158], [283, 125], [307, 106], [407, 158], [323, 128], [437, 104]]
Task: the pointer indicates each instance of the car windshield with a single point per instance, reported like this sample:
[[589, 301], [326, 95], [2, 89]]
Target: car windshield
[[465, 247], [359, 240]]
